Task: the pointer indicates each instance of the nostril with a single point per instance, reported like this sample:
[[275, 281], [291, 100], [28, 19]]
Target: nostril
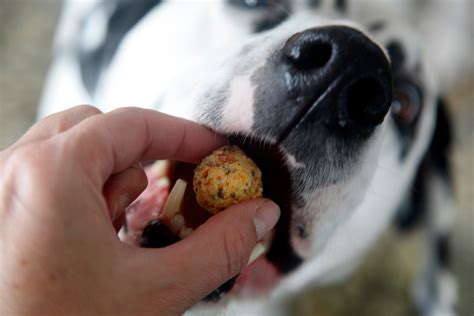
[[366, 101], [307, 52]]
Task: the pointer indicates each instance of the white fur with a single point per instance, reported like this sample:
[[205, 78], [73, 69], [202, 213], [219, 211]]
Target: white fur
[[238, 112], [63, 87], [441, 205]]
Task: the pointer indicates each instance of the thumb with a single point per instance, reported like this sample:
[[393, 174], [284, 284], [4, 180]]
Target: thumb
[[220, 248]]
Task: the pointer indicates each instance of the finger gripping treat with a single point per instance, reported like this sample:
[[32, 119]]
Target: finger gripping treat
[[226, 177]]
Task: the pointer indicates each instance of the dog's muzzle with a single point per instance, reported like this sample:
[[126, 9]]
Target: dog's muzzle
[[320, 97], [333, 76]]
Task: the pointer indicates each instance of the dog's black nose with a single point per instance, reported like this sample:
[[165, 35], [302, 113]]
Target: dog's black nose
[[346, 68]]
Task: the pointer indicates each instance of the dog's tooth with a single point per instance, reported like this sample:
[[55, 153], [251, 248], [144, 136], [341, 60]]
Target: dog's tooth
[[163, 181], [257, 251], [160, 167], [185, 232], [175, 198], [127, 237], [176, 223], [122, 234]]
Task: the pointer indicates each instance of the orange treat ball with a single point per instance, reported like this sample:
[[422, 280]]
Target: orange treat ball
[[226, 177]]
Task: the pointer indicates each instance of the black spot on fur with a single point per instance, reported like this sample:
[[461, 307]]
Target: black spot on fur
[[124, 17], [301, 231], [441, 142], [270, 22], [413, 211], [250, 4], [341, 5], [397, 55], [376, 26], [443, 251], [436, 160], [314, 3]]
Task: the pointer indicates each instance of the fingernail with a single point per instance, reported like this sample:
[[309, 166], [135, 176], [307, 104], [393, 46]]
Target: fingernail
[[265, 217], [122, 202]]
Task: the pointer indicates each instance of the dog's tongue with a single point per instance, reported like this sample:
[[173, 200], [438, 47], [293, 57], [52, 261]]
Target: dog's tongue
[[149, 204], [256, 279]]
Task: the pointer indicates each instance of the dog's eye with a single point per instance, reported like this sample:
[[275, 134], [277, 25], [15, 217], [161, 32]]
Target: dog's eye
[[406, 104], [250, 3]]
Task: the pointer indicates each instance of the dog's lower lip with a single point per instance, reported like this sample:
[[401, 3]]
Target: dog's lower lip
[[256, 279], [277, 186]]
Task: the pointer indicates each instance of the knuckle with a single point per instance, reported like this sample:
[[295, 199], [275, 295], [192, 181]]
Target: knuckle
[[236, 252], [31, 175], [58, 126], [28, 159], [87, 109], [126, 110], [24, 164], [22, 157], [80, 113], [62, 121], [129, 112]]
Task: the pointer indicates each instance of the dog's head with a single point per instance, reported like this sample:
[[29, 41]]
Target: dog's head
[[332, 100], [325, 105]]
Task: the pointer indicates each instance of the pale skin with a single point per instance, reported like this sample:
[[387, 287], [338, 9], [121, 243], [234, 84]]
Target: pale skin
[[65, 185]]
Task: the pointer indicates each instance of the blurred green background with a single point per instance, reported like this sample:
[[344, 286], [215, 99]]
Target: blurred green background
[[380, 287]]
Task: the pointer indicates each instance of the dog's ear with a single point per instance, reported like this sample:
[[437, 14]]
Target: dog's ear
[[440, 146], [446, 28]]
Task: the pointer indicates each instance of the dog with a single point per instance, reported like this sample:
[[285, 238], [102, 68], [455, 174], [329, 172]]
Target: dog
[[338, 101]]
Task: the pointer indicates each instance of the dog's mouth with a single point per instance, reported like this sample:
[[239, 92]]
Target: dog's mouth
[[279, 257], [167, 211]]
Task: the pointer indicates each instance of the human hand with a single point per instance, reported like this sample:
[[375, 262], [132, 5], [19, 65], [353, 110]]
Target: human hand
[[62, 184]]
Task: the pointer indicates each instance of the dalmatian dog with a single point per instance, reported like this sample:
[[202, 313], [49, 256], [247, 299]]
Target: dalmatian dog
[[339, 102]]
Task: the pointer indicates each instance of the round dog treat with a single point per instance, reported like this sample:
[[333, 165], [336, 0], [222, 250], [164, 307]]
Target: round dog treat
[[226, 177]]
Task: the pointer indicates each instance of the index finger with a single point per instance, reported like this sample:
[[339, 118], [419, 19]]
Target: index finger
[[115, 140]]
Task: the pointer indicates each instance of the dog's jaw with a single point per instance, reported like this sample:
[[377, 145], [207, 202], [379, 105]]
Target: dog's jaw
[[328, 207]]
